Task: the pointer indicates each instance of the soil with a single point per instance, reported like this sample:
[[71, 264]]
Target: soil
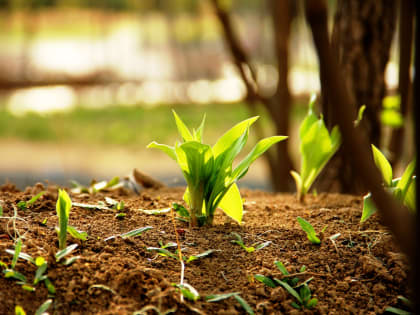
[[360, 272]]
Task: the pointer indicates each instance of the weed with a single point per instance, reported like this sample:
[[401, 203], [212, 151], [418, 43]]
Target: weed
[[317, 146], [23, 205], [210, 177]]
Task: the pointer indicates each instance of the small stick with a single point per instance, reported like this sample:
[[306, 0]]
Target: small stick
[[146, 181], [181, 282]]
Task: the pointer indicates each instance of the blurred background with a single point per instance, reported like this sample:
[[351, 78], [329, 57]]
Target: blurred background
[[86, 85]]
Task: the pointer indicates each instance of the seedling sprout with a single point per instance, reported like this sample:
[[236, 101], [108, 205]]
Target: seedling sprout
[[211, 178]]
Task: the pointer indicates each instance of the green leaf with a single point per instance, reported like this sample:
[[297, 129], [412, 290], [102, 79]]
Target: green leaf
[[392, 118], [1, 211], [266, 280], [262, 245], [35, 198], [309, 230], [39, 274], [181, 210], [312, 303], [262, 146], [77, 234], [219, 297], [198, 134], [291, 291], [383, 165], [44, 307], [10, 273], [50, 287], [170, 151], [18, 248], [369, 207], [136, 232], [188, 291], [64, 252], [232, 204], [19, 310], [397, 311], [360, 115], [22, 255], [71, 260], [163, 252], [28, 288], [63, 207], [155, 211], [201, 255], [281, 267], [244, 304], [406, 179], [226, 141], [182, 128]]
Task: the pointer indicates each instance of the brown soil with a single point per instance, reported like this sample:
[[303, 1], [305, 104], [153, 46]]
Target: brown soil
[[362, 273]]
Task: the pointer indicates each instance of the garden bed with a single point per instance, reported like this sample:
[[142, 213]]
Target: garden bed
[[359, 271]]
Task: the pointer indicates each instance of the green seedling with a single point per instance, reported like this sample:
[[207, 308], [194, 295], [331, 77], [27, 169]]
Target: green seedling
[[187, 291], [155, 211], [132, 233], [360, 114], [120, 215], [402, 188], [1, 211], [211, 178], [250, 249], [310, 231], [166, 253], [300, 292], [40, 311], [317, 146], [95, 186], [23, 205], [395, 310], [63, 207], [65, 252], [117, 205], [219, 297]]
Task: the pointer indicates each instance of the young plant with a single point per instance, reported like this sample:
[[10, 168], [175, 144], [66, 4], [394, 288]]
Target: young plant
[[211, 178], [300, 292], [250, 249], [310, 231], [63, 207], [23, 205], [236, 295], [317, 146], [402, 188]]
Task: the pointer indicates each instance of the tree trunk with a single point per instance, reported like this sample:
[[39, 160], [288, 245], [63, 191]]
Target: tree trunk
[[362, 36]]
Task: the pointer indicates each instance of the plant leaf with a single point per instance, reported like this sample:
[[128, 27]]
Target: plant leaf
[[244, 304], [64, 252], [43, 308], [162, 252], [397, 311], [19, 310], [232, 204], [89, 206], [188, 291], [201, 255], [155, 211], [383, 165], [262, 146], [281, 267], [35, 198], [170, 151], [310, 232], [182, 128], [369, 207], [18, 248], [136, 232], [10, 273], [266, 280], [219, 297], [291, 291], [77, 234], [406, 179], [22, 255]]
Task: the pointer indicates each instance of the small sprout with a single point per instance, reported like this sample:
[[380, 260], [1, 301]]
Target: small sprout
[[166, 253], [310, 231], [403, 188], [114, 203], [44, 307], [50, 286], [18, 248], [120, 215], [304, 297], [219, 297], [188, 291], [63, 207], [77, 234], [317, 146], [250, 249], [23, 205], [10, 273], [211, 179], [42, 267], [28, 288], [359, 115], [44, 222]]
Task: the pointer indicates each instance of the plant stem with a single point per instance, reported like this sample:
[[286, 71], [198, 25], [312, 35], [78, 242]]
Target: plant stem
[[181, 281]]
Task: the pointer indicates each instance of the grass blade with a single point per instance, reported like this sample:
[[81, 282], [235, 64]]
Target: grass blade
[[136, 232], [219, 297], [266, 280], [43, 308], [244, 304], [64, 252]]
